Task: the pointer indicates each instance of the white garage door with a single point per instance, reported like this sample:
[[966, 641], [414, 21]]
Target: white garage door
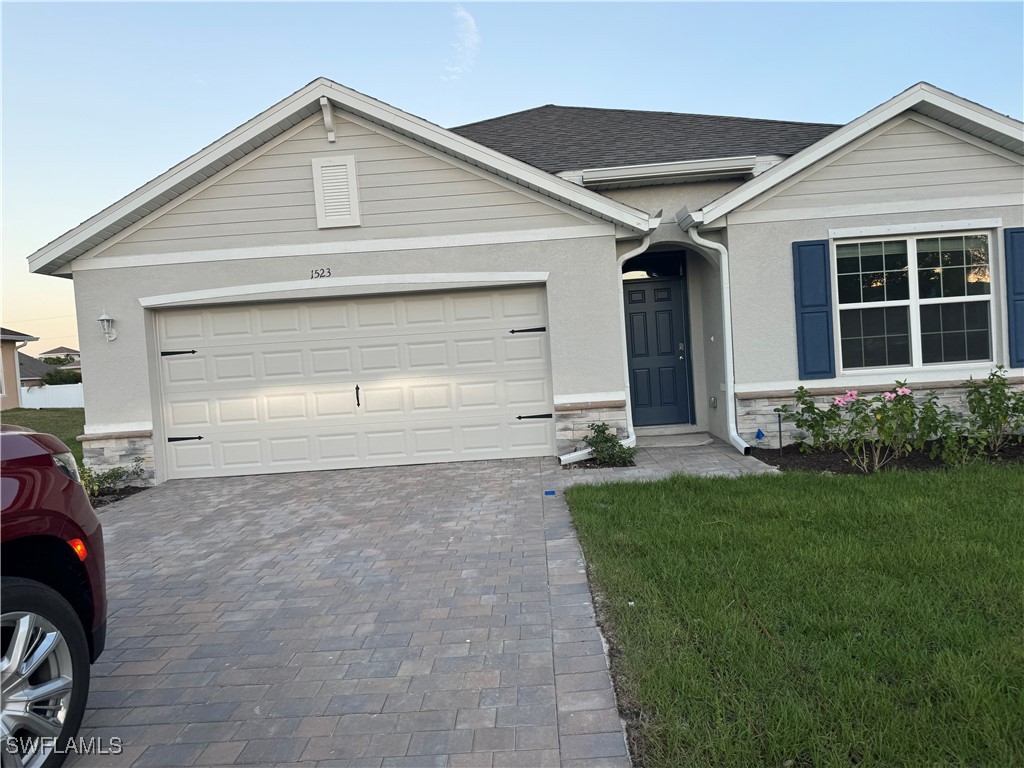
[[421, 378]]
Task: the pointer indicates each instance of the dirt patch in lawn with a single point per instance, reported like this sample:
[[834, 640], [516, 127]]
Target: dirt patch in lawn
[[791, 459]]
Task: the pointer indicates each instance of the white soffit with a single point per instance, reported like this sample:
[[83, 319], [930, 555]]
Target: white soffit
[[292, 110], [923, 98]]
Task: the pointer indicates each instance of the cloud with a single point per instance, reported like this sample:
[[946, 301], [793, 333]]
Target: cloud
[[466, 46]]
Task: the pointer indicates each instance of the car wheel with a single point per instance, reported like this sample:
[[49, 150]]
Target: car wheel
[[44, 672]]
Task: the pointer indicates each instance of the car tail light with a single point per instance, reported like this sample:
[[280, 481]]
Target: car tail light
[[65, 462], [79, 546]]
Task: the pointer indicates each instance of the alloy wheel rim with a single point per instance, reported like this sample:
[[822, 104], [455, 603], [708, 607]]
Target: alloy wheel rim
[[37, 680]]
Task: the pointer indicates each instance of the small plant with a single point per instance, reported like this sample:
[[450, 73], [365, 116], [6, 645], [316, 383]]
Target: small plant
[[995, 411], [606, 449], [98, 483]]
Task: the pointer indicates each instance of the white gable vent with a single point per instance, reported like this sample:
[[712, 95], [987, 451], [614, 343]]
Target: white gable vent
[[334, 184]]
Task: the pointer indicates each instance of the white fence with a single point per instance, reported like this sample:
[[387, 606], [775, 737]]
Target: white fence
[[53, 396]]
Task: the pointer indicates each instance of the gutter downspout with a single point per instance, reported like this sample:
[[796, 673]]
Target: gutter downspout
[[730, 373], [17, 366], [630, 439]]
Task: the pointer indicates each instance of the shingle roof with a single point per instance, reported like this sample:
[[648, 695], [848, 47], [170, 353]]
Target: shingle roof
[[31, 368], [58, 351], [557, 139], [9, 335]]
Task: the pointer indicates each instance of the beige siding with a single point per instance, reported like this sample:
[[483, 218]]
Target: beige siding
[[9, 371], [404, 192], [908, 161]]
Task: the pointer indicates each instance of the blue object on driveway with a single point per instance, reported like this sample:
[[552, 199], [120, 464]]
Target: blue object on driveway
[[549, 493]]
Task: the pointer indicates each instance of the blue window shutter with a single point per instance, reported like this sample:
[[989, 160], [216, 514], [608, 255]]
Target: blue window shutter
[[812, 279], [1015, 294]]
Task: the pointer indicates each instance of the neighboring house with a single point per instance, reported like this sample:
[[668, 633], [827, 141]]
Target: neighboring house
[[33, 371], [338, 283], [73, 356], [10, 343]]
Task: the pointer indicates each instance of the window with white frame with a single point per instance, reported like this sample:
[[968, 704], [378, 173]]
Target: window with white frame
[[914, 301]]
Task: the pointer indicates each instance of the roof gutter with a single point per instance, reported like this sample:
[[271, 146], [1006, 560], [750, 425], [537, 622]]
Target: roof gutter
[[689, 222], [630, 439]]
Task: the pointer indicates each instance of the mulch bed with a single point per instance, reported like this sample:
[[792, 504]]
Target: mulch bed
[[109, 497], [791, 459]]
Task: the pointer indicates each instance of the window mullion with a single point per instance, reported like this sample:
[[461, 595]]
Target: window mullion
[[915, 300]]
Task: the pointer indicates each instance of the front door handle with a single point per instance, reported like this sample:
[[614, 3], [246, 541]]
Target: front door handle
[[682, 351]]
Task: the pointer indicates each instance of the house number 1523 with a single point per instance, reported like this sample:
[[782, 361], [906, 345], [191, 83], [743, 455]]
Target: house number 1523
[[315, 274]]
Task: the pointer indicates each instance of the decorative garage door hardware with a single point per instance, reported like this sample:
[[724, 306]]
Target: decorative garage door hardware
[[542, 329], [357, 395], [536, 416], [178, 352], [183, 439]]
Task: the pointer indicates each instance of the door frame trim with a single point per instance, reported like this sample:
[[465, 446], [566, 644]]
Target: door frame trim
[[684, 300]]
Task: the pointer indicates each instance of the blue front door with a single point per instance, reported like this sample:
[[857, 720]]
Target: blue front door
[[657, 340]]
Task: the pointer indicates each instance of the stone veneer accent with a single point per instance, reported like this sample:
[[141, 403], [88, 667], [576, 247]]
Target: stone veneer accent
[[119, 449], [756, 410], [571, 420]]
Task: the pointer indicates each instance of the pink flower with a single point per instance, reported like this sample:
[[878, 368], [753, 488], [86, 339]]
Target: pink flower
[[902, 391], [889, 395], [851, 394], [840, 401]]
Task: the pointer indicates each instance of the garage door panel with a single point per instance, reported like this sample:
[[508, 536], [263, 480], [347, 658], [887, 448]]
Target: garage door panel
[[404, 317], [271, 388], [352, 363]]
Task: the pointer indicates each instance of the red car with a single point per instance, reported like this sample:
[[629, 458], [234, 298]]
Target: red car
[[53, 601]]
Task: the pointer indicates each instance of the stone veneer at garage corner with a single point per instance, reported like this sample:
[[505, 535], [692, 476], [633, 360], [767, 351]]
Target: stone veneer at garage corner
[[572, 421], [756, 410], [103, 452]]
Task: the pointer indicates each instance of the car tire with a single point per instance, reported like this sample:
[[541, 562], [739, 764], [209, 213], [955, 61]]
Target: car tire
[[33, 612]]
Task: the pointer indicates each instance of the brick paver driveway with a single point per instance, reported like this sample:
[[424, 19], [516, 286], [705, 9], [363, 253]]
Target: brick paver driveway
[[409, 616]]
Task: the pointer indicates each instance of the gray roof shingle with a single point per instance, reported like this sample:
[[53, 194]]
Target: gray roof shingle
[[557, 139], [31, 368]]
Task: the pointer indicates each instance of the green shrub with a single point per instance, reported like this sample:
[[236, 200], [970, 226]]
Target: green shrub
[[871, 431], [606, 449], [61, 376], [98, 483], [995, 411]]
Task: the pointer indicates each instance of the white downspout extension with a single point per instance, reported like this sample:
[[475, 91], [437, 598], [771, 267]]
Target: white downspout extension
[[730, 373], [630, 439]]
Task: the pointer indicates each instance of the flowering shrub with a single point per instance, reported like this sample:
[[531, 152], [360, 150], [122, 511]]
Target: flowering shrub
[[871, 431]]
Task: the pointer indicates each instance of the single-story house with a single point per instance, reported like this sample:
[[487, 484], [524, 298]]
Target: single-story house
[[73, 356], [10, 375], [32, 371], [338, 283]]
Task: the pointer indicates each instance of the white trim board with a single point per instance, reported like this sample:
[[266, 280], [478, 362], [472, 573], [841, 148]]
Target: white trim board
[[338, 248], [301, 288], [875, 209], [589, 397], [914, 229]]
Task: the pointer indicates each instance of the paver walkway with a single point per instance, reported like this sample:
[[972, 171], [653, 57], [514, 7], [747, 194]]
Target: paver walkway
[[407, 616]]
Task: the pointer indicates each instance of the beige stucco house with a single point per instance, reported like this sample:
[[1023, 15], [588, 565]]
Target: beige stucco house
[[10, 369], [338, 283]]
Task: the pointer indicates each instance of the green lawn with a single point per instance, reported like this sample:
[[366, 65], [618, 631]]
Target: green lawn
[[823, 620], [65, 423]]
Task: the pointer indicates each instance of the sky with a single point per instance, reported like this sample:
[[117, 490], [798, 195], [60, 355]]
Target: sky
[[100, 98]]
